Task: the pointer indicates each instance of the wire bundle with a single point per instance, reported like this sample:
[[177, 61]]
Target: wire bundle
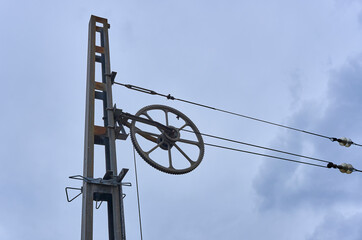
[[344, 168]]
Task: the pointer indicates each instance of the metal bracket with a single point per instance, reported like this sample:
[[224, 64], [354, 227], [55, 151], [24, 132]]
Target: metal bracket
[[121, 133], [98, 206], [112, 75], [108, 179], [122, 119], [66, 193], [119, 130]]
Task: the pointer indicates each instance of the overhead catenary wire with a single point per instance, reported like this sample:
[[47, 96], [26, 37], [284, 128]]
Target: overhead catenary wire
[[342, 141], [329, 163], [258, 146], [342, 167], [264, 155]]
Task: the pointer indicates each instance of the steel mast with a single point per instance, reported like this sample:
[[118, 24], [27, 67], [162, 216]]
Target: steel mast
[[108, 189]]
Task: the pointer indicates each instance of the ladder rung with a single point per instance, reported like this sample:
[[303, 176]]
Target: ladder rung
[[98, 130], [99, 49], [98, 58], [100, 86], [100, 196], [99, 95], [99, 135], [99, 19], [99, 140]]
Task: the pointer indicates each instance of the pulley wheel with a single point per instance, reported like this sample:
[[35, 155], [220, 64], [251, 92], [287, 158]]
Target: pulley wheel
[[176, 152]]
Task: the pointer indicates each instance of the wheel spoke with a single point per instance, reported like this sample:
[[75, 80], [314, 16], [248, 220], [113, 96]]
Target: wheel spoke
[[148, 116], [183, 126], [166, 115], [153, 149], [184, 154], [170, 159]]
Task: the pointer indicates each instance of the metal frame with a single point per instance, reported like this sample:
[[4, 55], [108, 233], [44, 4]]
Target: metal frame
[[95, 189]]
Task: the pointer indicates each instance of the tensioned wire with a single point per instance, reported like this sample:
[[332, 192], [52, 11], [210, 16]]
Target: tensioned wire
[[138, 195], [329, 163], [256, 146], [265, 155], [151, 92]]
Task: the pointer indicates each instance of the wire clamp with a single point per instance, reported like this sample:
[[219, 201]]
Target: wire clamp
[[346, 142], [112, 75], [119, 130], [343, 168], [170, 97]]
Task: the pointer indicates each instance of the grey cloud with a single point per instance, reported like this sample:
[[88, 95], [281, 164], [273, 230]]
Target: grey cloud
[[287, 186], [335, 226]]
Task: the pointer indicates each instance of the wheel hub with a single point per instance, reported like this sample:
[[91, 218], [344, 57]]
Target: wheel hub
[[168, 139]]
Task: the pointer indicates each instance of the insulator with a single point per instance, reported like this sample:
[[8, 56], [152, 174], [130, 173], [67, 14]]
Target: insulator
[[347, 142], [346, 168], [342, 141]]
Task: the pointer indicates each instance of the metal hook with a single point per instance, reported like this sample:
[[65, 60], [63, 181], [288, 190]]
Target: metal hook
[[98, 206], [127, 184]]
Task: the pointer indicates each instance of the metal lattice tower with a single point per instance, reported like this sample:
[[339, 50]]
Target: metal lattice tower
[[108, 189]]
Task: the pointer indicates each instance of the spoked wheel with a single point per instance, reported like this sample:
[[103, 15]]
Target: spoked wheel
[[176, 152]]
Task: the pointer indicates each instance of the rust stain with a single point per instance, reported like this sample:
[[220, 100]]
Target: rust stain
[[100, 86], [98, 130], [99, 49], [99, 19]]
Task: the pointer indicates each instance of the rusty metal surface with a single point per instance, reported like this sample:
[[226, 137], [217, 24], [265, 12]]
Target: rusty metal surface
[[99, 49], [98, 130], [100, 86]]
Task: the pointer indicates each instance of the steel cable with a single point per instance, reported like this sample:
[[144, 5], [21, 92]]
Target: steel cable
[[265, 155], [258, 146], [329, 165], [138, 195], [170, 97]]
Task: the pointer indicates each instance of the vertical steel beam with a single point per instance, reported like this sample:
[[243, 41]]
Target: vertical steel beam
[[108, 114], [88, 167], [90, 190]]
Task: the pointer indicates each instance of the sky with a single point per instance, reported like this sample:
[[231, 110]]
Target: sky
[[297, 63]]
